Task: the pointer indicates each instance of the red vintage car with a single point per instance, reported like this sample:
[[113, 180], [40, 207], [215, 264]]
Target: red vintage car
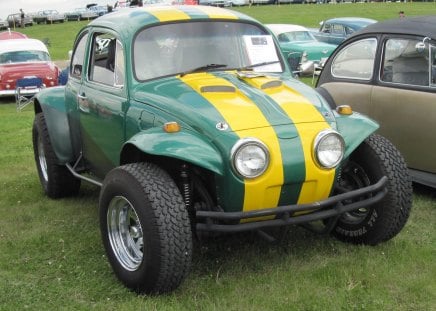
[[7, 35], [25, 63]]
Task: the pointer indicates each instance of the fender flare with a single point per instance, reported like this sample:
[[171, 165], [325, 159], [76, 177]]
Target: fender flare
[[184, 145], [51, 102], [355, 129]]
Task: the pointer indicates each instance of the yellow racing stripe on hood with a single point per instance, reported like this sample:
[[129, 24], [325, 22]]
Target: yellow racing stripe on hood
[[239, 112], [167, 13], [309, 122]]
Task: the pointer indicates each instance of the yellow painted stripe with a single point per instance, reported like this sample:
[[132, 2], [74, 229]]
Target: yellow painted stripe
[[318, 181], [166, 14], [215, 12], [263, 192]]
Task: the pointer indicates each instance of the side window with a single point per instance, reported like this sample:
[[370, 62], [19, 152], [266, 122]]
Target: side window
[[356, 60], [405, 63], [107, 62], [337, 29], [78, 57], [119, 65], [326, 28]]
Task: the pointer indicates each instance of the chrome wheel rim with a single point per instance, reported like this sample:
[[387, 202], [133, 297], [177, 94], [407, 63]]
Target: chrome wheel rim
[[125, 233], [42, 160]]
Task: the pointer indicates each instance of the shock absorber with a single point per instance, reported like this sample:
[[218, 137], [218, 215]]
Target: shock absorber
[[186, 186]]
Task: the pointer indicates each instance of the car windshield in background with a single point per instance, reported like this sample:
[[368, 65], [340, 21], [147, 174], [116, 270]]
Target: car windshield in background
[[179, 48], [296, 36], [23, 57]]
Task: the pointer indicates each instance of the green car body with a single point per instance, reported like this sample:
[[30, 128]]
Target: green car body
[[188, 117]]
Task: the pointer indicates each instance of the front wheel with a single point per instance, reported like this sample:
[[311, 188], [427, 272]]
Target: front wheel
[[145, 228], [56, 180], [374, 158]]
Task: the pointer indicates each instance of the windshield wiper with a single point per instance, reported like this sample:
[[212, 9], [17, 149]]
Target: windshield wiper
[[250, 67], [203, 68]]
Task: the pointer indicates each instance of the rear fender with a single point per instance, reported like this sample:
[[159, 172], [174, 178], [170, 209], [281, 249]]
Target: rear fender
[[183, 145], [51, 102]]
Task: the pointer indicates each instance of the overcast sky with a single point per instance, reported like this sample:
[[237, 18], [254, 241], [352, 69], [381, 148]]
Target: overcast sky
[[13, 6]]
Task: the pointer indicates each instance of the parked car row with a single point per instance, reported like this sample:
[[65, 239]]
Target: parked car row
[[48, 17]]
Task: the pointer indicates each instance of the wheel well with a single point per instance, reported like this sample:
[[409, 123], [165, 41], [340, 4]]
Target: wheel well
[[37, 106], [198, 177]]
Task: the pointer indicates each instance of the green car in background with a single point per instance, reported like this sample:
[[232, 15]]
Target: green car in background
[[190, 121], [301, 48]]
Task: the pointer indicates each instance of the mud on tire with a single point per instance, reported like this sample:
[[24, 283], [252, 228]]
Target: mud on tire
[[374, 158]]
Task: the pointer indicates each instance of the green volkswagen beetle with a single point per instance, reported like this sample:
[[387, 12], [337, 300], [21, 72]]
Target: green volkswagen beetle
[[190, 121]]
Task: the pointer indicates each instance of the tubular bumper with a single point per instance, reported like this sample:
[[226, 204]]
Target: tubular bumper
[[330, 207]]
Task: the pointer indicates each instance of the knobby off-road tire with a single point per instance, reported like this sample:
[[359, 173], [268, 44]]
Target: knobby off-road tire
[[56, 180], [145, 228], [376, 157]]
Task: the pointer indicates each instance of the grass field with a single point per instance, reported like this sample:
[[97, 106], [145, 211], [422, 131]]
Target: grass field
[[52, 258]]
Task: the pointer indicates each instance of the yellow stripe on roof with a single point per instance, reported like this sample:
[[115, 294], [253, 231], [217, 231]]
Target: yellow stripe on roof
[[215, 12], [169, 13]]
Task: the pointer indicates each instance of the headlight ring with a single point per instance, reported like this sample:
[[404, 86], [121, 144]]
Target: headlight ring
[[329, 147], [250, 157]]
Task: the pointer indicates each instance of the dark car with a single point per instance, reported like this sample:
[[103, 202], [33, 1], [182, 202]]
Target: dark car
[[388, 71], [336, 30], [189, 120]]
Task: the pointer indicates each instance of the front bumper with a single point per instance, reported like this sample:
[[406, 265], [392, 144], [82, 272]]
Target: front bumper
[[330, 207]]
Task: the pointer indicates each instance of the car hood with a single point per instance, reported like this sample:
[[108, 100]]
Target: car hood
[[21, 70], [234, 102]]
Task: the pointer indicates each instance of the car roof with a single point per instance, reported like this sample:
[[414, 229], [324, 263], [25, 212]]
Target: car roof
[[279, 28], [129, 20], [418, 25], [7, 35], [351, 19], [22, 45]]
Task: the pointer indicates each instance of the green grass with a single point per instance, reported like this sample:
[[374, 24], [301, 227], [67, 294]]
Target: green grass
[[51, 255]]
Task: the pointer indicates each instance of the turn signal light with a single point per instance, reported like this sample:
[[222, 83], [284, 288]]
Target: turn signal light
[[171, 127], [344, 110]]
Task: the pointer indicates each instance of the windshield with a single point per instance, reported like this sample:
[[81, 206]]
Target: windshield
[[296, 36], [23, 57], [171, 49]]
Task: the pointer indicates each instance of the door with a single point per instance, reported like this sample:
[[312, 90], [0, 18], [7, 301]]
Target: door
[[102, 102]]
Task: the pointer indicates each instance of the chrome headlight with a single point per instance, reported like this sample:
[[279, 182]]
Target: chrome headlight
[[250, 157], [329, 148]]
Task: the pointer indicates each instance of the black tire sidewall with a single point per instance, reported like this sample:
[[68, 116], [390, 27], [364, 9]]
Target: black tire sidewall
[[378, 158], [128, 187], [165, 225]]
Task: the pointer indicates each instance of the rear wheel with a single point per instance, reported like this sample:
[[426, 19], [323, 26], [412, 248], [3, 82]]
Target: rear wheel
[[56, 180], [374, 158], [145, 228]]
